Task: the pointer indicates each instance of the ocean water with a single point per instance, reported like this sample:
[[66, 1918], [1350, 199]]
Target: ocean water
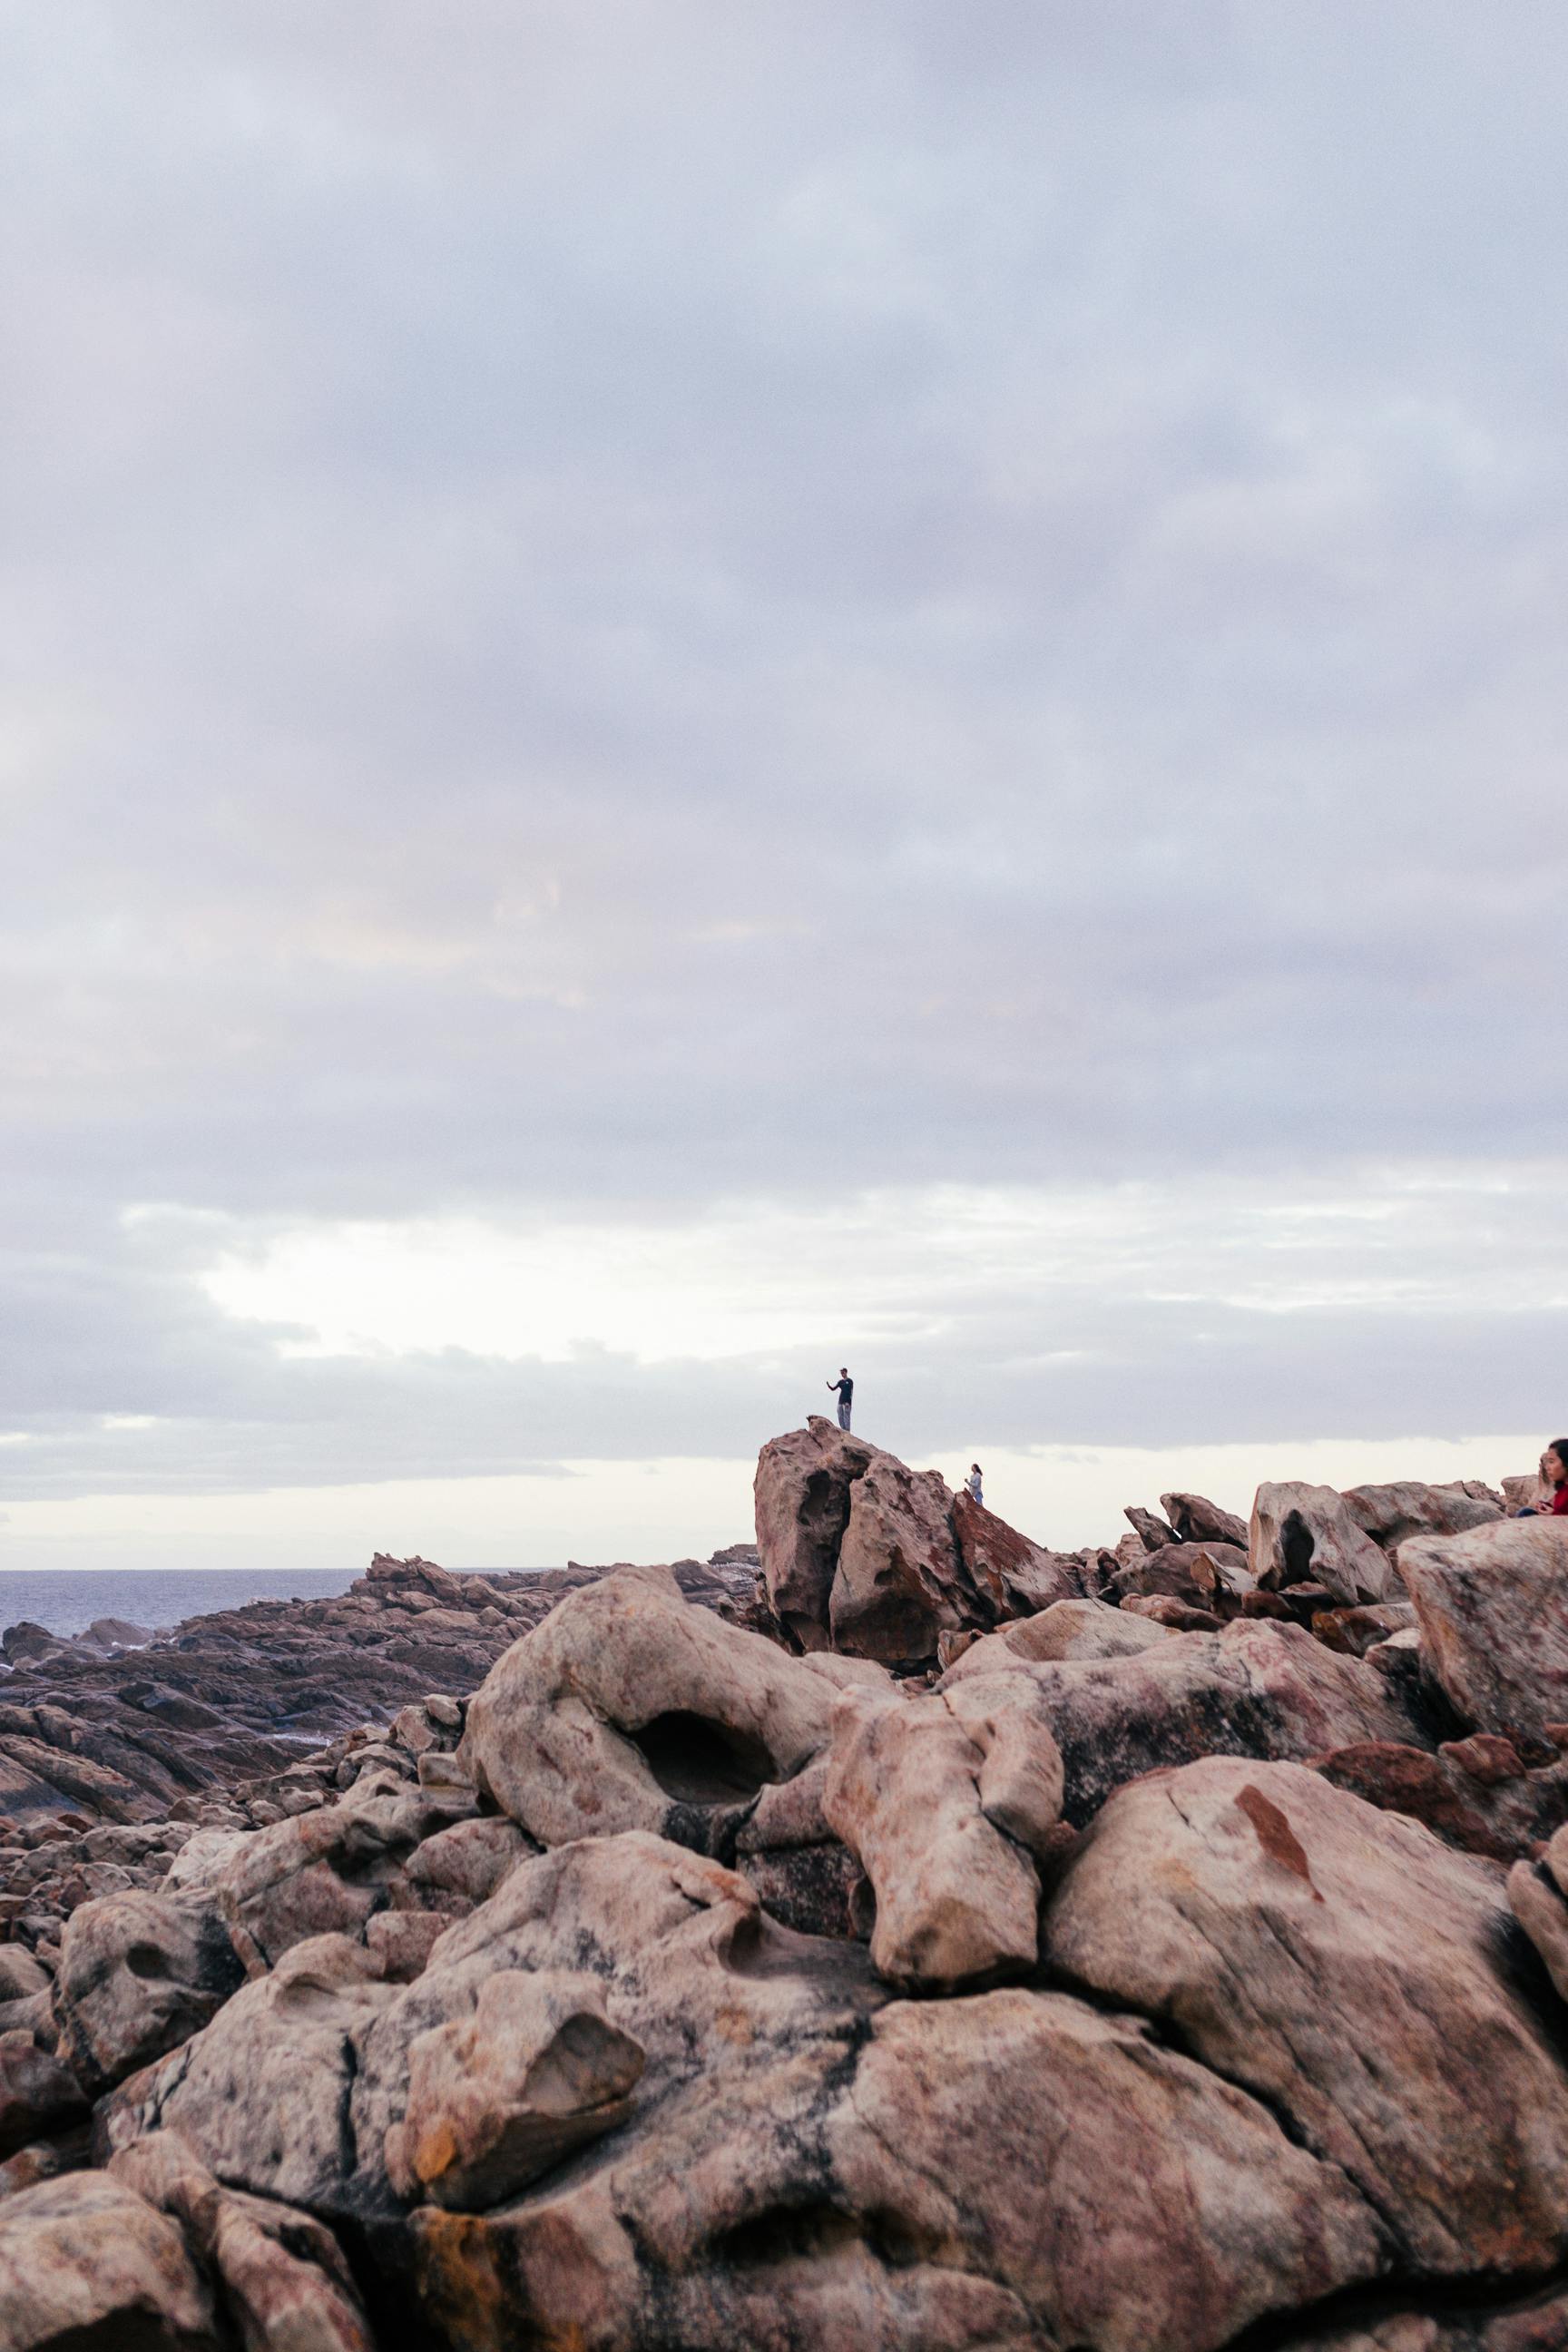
[[67, 1600]]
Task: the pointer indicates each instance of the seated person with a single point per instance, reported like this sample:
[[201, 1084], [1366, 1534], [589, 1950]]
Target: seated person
[[1554, 1480]]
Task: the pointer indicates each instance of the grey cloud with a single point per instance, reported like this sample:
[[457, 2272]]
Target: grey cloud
[[628, 607]]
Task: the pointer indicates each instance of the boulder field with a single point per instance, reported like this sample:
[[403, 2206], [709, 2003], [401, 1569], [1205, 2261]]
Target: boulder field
[[902, 1937]]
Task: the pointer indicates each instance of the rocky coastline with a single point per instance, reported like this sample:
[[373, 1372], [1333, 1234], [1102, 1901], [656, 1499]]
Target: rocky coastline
[[898, 1934]]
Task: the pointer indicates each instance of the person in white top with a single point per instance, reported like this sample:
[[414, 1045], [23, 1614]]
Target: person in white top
[[971, 1484]]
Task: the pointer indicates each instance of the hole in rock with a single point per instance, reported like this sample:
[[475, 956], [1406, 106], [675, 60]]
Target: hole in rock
[[146, 1961], [1296, 1543], [700, 1762], [783, 2233]]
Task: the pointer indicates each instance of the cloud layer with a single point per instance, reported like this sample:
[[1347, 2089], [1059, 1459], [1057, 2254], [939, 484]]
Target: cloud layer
[[632, 617]]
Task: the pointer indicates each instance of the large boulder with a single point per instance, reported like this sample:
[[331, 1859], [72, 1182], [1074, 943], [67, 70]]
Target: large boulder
[[1492, 1606], [1344, 1967], [331, 1870], [804, 2165], [900, 1581], [1067, 1629], [262, 2093], [139, 1972], [1408, 1507], [281, 2277], [1253, 1689], [1194, 1519], [497, 2097], [87, 2265], [630, 1709], [947, 1802], [1010, 1576], [801, 1493], [1302, 1534], [862, 1554]]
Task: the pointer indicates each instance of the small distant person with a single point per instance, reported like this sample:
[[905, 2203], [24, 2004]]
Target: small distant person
[[1553, 1477], [971, 1484], [846, 1388]]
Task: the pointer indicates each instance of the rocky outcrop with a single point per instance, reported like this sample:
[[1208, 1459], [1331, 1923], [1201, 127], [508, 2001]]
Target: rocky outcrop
[[331, 1871], [629, 1709], [1477, 1793], [139, 1972], [1254, 1689], [1492, 1605], [1308, 1535], [863, 1555], [1389, 1514], [1343, 1966], [691, 1985], [948, 1802]]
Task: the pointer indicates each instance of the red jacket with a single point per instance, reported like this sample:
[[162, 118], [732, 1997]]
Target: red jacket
[[1560, 1504]]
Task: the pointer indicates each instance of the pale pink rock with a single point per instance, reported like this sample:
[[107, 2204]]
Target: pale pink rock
[[499, 2097], [1067, 1630], [1304, 1534], [945, 1801], [1342, 1965], [85, 2261], [631, 1709], [1492, 1609]]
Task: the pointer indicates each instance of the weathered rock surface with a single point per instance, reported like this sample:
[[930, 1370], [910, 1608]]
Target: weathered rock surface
[[1208, 2054], [629, 1709], [1068, 1629], [1254, 1689], [139, 1972], [1302, 1534], [861, 1554], [497, 2097], [282, 2279], [261, 2092], [87, 2265], [1346, 1968], [1492, 1606], [947, 1802], [1389, 1514]]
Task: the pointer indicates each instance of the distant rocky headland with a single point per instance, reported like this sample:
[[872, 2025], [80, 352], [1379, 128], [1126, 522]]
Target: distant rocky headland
[[896, 1935]]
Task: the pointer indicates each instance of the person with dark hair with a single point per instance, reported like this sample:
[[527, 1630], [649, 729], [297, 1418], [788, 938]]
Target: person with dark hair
[[971, 1484], [846, 1388], [1554, 1474]]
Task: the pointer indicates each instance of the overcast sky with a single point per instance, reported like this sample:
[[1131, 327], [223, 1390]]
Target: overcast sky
[[690, 691]]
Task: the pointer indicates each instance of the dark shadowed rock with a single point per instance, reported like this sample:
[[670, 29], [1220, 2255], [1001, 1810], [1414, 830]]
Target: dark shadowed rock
[[39, 2094]]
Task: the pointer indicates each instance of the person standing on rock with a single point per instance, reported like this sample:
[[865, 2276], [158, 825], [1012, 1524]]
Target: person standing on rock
[[846, 1388], [971, 1484], [1553, 1475]]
